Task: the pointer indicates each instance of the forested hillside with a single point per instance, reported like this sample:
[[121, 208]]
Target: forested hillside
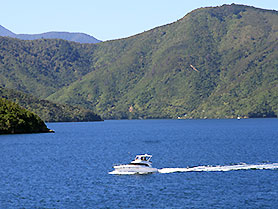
[[49, 111], [41, 67], [214, 62], [14, 119]]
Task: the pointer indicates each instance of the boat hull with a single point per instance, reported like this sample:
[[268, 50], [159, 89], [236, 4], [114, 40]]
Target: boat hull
[[133, 169]]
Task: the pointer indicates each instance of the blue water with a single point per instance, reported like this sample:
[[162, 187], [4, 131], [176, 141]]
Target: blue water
[[69, 169]]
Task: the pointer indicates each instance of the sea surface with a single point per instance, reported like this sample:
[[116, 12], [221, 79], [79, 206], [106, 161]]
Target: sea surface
[[202, 164]]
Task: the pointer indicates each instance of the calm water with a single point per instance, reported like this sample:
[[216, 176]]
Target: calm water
[[69, 169]]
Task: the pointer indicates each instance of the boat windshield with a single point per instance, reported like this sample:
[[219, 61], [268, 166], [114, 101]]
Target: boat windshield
[[143, 158]]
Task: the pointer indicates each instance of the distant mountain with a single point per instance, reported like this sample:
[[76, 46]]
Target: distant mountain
[[6, 32], [76, 37], [216, 62]]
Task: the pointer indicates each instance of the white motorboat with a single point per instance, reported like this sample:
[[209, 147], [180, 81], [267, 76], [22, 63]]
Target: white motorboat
[[140, 165]]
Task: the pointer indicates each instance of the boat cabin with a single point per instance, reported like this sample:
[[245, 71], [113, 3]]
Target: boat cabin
[[144, 160], [144, 157]]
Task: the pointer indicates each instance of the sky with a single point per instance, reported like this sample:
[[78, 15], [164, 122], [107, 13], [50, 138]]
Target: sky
[[103, 19]]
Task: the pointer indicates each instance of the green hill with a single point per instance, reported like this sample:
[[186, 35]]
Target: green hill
[[41, 67], [214, 62], [49, 111], [14, 119]]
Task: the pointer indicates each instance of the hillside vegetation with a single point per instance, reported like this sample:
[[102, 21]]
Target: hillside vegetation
[[217, 62], [49, 111], [14, 119], [41, 67]]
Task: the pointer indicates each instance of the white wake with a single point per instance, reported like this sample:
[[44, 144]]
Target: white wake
[[208, 168], [271, 166]]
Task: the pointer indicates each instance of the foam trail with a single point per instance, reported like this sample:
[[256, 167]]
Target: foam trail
[[271, 166]]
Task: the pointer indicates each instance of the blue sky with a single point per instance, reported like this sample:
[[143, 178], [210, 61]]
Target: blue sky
[[103, 19]]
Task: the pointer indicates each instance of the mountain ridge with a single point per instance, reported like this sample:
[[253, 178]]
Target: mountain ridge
[[215, 62], [196, 27], [69, 36]]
